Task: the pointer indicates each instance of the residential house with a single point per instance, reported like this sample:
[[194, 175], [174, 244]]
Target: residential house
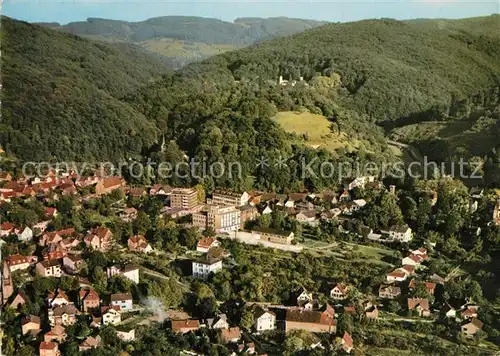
[[48, 348], [89, 300], [429, 286], [312, 321], [126, 335], [273, 235], [107, 185], [99, 239], [206, 243], [50, 238], [496, 213], [247, 213], [63, 315], [266, 210], [347, 343], [407, 269], [111, 315], [450, 312], [264, 320], [124, 301], [401, 233], [229, 198], [24, 234], [412, 260], [5, 176], [306, 217], [57, 298], [469, 312], [420, 305], [184, 198], [158, 189], [345, 196], [219, 322], [304, 298], [129, 214], [57, 333], [6, 229], [90, 343], [51, 212], [19, 300], [18, 262], [371, 312], [30, 325], [471, 327], [204, 266], [138, 243], [339, 292], [231, 334], [48, 268], [389, 291], [184, 326], [73, 263], [396, 276], [129, 271], [54, 252], [137, 192]]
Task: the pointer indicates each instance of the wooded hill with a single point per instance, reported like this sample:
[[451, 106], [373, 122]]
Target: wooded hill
[[356, 74], [187, 38], [61, 95]]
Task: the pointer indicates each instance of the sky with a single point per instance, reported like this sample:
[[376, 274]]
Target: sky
[[64, 11]]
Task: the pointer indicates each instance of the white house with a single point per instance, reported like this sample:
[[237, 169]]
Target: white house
[[129, 271], [401, 233], [339, 292], [124, 301], [126, 335], [304, 298], [219, 322], [57, 298], [202, 267], [264, 320], [206, 243], [111, 315], [25, 234], [267, 210], [396, 276]]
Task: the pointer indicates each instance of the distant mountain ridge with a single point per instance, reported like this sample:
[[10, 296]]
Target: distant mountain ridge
[[187, 38], [244, 31]]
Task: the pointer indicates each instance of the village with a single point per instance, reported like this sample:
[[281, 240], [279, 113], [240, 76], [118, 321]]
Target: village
[[99, 274]]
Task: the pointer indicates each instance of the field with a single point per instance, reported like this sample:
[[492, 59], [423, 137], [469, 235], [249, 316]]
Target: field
[[313, 130]]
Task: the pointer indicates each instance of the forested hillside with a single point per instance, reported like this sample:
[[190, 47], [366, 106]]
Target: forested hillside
[[356, 75], [186, 39], [359, 73], [61, 95]]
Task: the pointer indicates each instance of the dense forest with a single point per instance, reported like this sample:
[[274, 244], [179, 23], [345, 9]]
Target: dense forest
[[356, 74], [61, 95]]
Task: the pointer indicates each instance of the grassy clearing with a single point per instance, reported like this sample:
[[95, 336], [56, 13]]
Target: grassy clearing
[[190, 50], [313, 130]]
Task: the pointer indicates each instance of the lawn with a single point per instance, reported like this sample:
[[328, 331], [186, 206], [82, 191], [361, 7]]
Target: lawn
[[190, 50], [313, 130]]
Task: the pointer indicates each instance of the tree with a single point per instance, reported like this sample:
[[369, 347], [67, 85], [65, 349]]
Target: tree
[[345, 323], [99, 280], [247, 319]]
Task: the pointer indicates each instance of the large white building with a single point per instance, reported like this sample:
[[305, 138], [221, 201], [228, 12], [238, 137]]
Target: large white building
[[204, 266], [229, 198], [401, 233], [221, 219], [264, 320]]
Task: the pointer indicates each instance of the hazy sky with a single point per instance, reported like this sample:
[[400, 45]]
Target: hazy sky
[[64, 11]]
